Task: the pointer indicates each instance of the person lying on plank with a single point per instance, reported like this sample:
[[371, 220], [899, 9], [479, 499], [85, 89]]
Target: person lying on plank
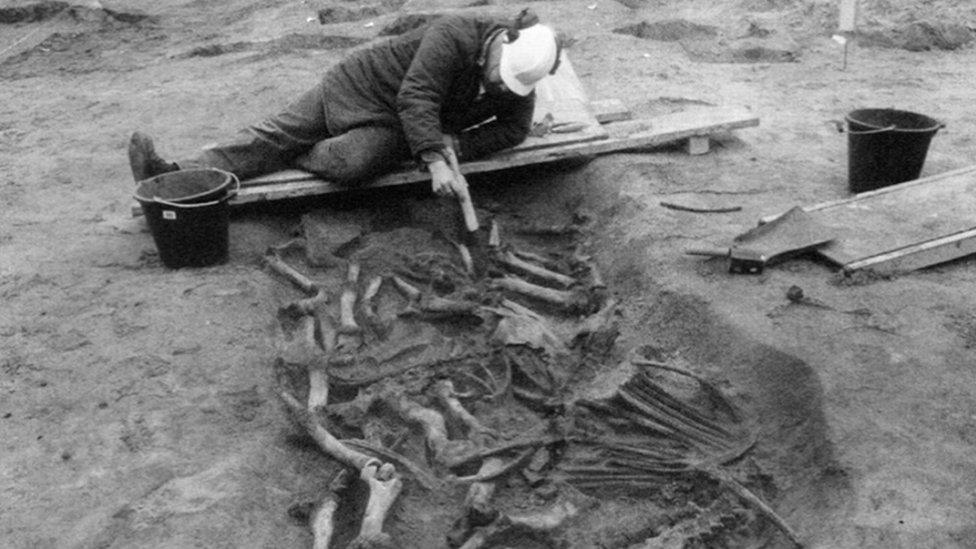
[[462, 84]]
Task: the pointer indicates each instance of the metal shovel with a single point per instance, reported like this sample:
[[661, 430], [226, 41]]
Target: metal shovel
[[788, 235]]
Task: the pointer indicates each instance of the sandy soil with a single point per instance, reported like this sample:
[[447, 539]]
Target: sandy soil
[[136, 406]]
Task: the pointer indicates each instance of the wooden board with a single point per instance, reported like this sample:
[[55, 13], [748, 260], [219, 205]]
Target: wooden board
[[903, 227], [630, 135]]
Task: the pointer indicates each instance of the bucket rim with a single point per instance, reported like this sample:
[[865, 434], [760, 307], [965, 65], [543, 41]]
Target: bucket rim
[[228, 178], [934, 124], [230, 194]]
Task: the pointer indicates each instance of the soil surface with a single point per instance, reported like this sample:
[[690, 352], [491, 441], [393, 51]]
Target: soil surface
[[138, 405]]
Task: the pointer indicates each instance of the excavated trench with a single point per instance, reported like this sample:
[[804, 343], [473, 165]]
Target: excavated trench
[[769, 475]]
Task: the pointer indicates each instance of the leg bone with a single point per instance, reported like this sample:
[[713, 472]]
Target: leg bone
[[384, 487], [520, 266]]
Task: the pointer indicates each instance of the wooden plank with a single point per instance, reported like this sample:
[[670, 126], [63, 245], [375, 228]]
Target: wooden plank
[[903, 227], [627, 135], [610, 110], [651, 132]]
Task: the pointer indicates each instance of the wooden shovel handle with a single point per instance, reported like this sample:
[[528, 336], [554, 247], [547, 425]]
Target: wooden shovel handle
[[460, 188], [711, 252]]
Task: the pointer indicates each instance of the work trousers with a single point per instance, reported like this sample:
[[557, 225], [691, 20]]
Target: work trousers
[[298, 137]]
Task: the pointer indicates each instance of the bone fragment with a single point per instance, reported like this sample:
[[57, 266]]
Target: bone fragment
[[377, 324], [478, 510], [384, 486], [306, 306], [278, 265], [477, 502], [433, 306], [328, 443], [466, 258], [542, 523], [322, 522], [512, 262], [750, 498], [571, 301], [445, 451], [444, 389], [405, 288], [536, 258], [494, 236], [318, 379], [347, 302]]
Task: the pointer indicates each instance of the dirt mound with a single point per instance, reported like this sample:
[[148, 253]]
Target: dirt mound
[[43, 11], [286, 44], [674, 30], [711, 44], [919, 36]]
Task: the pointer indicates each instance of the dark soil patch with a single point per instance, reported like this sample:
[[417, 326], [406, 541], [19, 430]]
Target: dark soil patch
[[920, 36], [109, 48], [286, 44], [742, 51], [43, 11], [673, 30]]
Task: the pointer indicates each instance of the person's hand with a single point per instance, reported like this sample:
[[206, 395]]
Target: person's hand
[[441, 178]]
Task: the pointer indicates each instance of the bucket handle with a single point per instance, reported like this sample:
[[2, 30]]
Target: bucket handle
[[230, 194], [841, 128]]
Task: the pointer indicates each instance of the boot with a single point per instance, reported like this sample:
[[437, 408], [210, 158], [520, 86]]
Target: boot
[[144, 161]]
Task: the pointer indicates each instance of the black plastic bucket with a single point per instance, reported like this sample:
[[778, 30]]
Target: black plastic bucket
[[186, 186], [189, 230], [886, 146]]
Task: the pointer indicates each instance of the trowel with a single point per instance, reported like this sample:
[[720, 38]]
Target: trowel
[[790, 234]]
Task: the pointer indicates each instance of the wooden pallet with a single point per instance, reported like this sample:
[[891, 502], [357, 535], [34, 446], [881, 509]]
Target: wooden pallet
[[903, 227]]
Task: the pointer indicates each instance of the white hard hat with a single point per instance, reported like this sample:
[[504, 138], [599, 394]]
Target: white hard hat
[[528, 59]]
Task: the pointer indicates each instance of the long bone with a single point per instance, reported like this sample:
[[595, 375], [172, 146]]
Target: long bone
[[277, 264], [445, 451], [381, 328], [520, 266], [322, 519], [349, 331], [432, 305], [477, 508], [447, 396], [384, 486], [566, 300], [328, 443]]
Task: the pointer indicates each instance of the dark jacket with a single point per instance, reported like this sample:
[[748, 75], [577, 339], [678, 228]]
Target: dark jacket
[[427, 82]]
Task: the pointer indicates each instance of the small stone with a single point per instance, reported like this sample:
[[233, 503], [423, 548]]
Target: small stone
[[794, 294]]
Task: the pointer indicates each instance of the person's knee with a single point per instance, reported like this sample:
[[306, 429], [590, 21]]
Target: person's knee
[[354, 157], [334, 162]]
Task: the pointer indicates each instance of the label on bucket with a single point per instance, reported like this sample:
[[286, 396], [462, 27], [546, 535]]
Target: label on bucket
[[169, 214]]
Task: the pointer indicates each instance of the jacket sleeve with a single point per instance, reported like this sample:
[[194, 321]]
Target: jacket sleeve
[[440, 57], [510, 126]]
